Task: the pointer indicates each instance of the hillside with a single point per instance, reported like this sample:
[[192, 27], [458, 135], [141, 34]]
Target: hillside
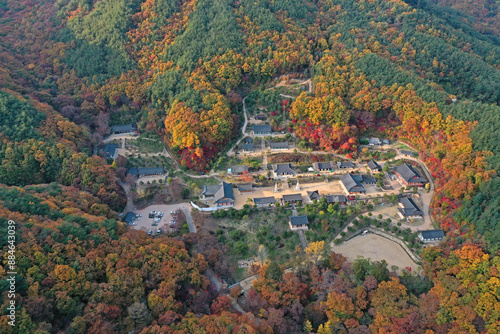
[[424, 72]]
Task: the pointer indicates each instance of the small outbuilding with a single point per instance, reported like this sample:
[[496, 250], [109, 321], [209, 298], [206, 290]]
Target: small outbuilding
[[313, 195], [345, 164], [299, 223], [263, 129], [431, 235], [323, 166], [264, 201], [248, 147], [279, 145], [374, 166], [292, 198], [283, 170], [245, 188], [123, 129]]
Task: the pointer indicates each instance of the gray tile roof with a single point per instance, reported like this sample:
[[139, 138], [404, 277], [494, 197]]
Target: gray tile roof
[[313, 195], [432, 234], [262, 128], [409, 207], [225, 192], [299, 220], [336, 199], [345, 164], [409, 174], [281, 169], [368, 179], [292, 198], [245, 187], [277, 145], [352, 183], [210, 190], [248, 147], [145, 171], [110, 149], [264, 200], [373, 165], [248, 140], [322, 166], [410, 153], [123, 128]]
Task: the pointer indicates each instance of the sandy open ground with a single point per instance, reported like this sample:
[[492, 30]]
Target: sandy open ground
[[332, 187], [375, 248]]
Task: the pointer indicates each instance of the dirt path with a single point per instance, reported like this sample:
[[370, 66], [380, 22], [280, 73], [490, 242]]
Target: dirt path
[[243, 129]]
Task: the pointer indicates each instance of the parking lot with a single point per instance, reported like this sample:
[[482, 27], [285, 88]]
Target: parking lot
[[145, 223]]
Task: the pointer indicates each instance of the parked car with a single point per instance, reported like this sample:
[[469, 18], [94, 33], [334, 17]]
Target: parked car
[[150, 232], [158, 231], [154, 224]]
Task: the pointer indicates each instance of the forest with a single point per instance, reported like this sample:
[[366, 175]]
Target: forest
[[426, 72]]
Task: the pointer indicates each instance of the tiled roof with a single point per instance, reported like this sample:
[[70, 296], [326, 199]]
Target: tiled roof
[[123, 128], [145, 171], [264, 200], [278, 144], [351, 183], [345, 164], [322, 165], [373, 165], [262, 128], [336, 199], [313, 195], [410, 153], [245, 187], [248, 147], [432, 234], [292, 197], [409, 207], [299, 220], [409, 174], [283, 169], [225, 191]]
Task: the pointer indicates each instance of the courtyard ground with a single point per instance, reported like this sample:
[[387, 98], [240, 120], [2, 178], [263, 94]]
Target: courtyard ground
[[332, 187], [375, 248]]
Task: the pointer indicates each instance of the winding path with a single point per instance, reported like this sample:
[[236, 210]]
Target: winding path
[[243, 129]]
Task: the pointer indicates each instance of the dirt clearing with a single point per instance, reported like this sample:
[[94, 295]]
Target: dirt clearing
[[375, 248]]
